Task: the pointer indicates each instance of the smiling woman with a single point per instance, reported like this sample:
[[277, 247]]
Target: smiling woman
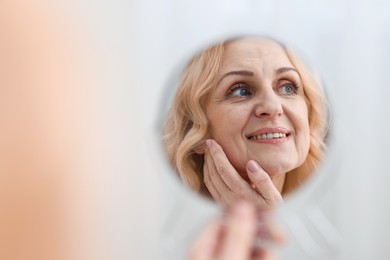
[[248, 121]]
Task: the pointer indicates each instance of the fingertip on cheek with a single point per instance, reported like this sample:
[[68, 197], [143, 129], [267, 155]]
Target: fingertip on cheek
[[209, 143]]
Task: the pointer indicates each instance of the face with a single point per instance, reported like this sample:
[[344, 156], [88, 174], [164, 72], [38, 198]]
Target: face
[[257, 109]]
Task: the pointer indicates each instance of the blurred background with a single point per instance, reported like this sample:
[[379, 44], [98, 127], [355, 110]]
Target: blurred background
[[85, 85]]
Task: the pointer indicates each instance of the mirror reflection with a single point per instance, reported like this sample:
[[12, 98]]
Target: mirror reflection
[[247, 122]]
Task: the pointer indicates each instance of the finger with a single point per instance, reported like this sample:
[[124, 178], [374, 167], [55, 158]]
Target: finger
[[207, 243], [213, 180], [268, 234], [263, 254], [240, 232], [210, 185], [263, 184], [223, 167]]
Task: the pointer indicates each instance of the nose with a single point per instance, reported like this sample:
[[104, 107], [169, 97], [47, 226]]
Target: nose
[[268, 105]]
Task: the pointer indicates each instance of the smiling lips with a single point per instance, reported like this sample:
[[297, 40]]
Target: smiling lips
[[267, 136], [270, 135]]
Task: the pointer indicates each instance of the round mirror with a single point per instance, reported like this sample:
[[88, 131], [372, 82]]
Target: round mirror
[[247, 120]]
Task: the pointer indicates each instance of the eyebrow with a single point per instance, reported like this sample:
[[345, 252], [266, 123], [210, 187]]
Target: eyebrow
[[284, 69], [250, 73], [237, 72]]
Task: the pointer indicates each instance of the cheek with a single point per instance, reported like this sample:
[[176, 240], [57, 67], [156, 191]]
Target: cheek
[[300, 121], [303, 127], [226, 128], [227, 121], [306, 140], [224, 132]]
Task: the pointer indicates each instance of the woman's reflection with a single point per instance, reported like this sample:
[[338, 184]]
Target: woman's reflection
[[248, 121]]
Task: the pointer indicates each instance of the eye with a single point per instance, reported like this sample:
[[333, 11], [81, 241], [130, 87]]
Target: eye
[[239, 90], [288, 89]]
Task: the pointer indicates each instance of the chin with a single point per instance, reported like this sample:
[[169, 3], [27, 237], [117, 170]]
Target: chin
[[271, 169], [270, 166], [278, 168]]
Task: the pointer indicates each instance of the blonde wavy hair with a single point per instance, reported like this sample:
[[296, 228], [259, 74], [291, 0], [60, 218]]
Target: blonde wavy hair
[[186, 127]]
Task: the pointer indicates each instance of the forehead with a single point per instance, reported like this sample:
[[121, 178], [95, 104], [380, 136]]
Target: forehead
[[250, 51]]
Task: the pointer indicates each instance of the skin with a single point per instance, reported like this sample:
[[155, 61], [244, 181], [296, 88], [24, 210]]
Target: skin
[[226, 186], [234, 237], [258, 91]]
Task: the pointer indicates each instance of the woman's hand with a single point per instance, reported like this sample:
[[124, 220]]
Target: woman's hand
[[227, 186], [235, 237]]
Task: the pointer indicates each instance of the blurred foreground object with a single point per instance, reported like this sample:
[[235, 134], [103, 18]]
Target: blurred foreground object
[[43, 141], [243, 233]]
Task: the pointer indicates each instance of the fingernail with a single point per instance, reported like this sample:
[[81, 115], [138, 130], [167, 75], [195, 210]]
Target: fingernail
[[253, 166]]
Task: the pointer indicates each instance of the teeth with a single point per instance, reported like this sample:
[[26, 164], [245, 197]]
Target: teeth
[[268, 136]]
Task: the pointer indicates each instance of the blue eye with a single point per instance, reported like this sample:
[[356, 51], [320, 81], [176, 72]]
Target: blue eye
[[239, 90], [288, 89]]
